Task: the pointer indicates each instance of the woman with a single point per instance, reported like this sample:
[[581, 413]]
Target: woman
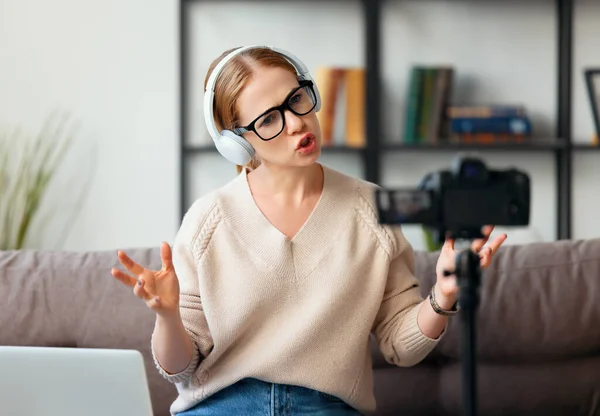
[[278, 278]]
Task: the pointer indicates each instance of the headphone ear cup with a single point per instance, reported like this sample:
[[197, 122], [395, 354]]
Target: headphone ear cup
[[234, 148]]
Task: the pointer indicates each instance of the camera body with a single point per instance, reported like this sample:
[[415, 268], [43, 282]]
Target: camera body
[[459, 202]]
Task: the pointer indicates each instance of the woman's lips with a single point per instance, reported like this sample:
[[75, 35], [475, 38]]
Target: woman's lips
[[305, 141], [307, 144]]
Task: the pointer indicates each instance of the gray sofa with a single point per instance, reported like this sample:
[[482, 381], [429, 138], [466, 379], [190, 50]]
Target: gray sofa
[[538, 328]]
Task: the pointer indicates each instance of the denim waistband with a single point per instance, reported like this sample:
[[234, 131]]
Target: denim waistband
[[253, 397]]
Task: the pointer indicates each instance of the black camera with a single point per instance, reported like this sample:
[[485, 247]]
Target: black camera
[[457, 203]]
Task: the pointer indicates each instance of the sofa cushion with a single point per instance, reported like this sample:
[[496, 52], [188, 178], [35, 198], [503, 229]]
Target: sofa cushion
[[565, 387], [407, 391]]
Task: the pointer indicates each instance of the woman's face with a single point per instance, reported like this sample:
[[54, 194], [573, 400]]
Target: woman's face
[[299, 143]]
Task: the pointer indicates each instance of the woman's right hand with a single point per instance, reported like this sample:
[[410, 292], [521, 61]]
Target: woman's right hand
[[158, 288]]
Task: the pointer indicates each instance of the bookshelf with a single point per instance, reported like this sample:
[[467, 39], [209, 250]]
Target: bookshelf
[[561, 147]]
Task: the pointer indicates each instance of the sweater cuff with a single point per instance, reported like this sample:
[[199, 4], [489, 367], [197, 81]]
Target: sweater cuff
[[183, 375], [411, 336]]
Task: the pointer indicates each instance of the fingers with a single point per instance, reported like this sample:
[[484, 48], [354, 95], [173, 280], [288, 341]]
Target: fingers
[[449, 243], [125, 278], [129, 264], [166, 256], [140, 291], [139, 284], [153, 303], [485, 256], [497, 242], [487, 252], [479, 243]]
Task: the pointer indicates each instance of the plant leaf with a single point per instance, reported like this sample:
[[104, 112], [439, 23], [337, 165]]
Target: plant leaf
[[28, 165]]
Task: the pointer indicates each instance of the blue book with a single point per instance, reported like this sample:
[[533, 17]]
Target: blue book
[[485, 111], [495, 125]]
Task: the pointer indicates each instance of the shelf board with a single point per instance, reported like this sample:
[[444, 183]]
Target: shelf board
[[326, 149], [195, 148], [531, 145], [534, 145], [585, 147]]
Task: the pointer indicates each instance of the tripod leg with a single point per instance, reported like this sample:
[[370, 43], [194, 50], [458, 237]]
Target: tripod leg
[[469, 374], [468, 273]]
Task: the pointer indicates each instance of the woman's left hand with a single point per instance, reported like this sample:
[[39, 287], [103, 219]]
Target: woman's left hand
[[446, 288]]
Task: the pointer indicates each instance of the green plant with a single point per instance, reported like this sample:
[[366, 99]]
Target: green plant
[[430, 241], [28, 165]]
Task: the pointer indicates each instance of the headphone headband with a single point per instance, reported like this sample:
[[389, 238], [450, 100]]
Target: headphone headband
[[233, 147]]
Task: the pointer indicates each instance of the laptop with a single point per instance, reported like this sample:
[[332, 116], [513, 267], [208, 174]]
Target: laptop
[[53, 381]]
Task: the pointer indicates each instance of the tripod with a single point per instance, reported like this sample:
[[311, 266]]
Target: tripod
[[468, 275]]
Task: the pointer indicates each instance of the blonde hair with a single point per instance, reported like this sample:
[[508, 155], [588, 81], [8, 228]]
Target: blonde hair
[[232, 80]]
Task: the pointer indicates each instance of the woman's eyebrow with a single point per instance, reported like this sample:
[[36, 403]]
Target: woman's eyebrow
[[287, 97]]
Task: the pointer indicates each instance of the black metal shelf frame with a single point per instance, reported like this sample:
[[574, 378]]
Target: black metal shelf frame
[[371, 155], [563, 157]]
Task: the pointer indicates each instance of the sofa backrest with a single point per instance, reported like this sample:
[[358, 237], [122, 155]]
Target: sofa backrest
[[538, 302]]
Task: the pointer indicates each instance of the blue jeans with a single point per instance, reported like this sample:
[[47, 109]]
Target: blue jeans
[[252, 397]]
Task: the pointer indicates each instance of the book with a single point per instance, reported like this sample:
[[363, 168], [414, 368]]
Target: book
[[413, 99], [328, 80], [495, 125], [429, 93], [342, 115], [485, 111]]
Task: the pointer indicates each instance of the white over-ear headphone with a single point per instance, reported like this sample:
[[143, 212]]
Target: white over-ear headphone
[[230, 145]]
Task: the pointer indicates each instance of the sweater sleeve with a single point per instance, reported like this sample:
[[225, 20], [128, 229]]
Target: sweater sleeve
[[396, 330], [190, 303]]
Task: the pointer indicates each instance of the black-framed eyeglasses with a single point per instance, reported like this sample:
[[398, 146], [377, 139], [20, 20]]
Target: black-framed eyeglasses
[[300, 101]]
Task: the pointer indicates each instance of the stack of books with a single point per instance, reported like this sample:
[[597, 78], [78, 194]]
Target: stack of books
[[495, 123]]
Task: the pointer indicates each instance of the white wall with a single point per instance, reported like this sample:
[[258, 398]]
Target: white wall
[[113, 65]]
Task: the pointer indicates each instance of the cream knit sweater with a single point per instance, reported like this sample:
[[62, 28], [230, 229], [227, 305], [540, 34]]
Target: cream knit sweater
[[300, 311]]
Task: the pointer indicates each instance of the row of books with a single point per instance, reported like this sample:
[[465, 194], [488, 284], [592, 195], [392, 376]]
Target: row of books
[[430, 116]]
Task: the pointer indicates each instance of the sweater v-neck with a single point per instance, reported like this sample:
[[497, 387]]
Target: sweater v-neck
[[298, 255], [268, 223]]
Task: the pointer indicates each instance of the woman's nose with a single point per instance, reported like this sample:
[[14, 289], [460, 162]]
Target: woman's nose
[[293, 122]]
